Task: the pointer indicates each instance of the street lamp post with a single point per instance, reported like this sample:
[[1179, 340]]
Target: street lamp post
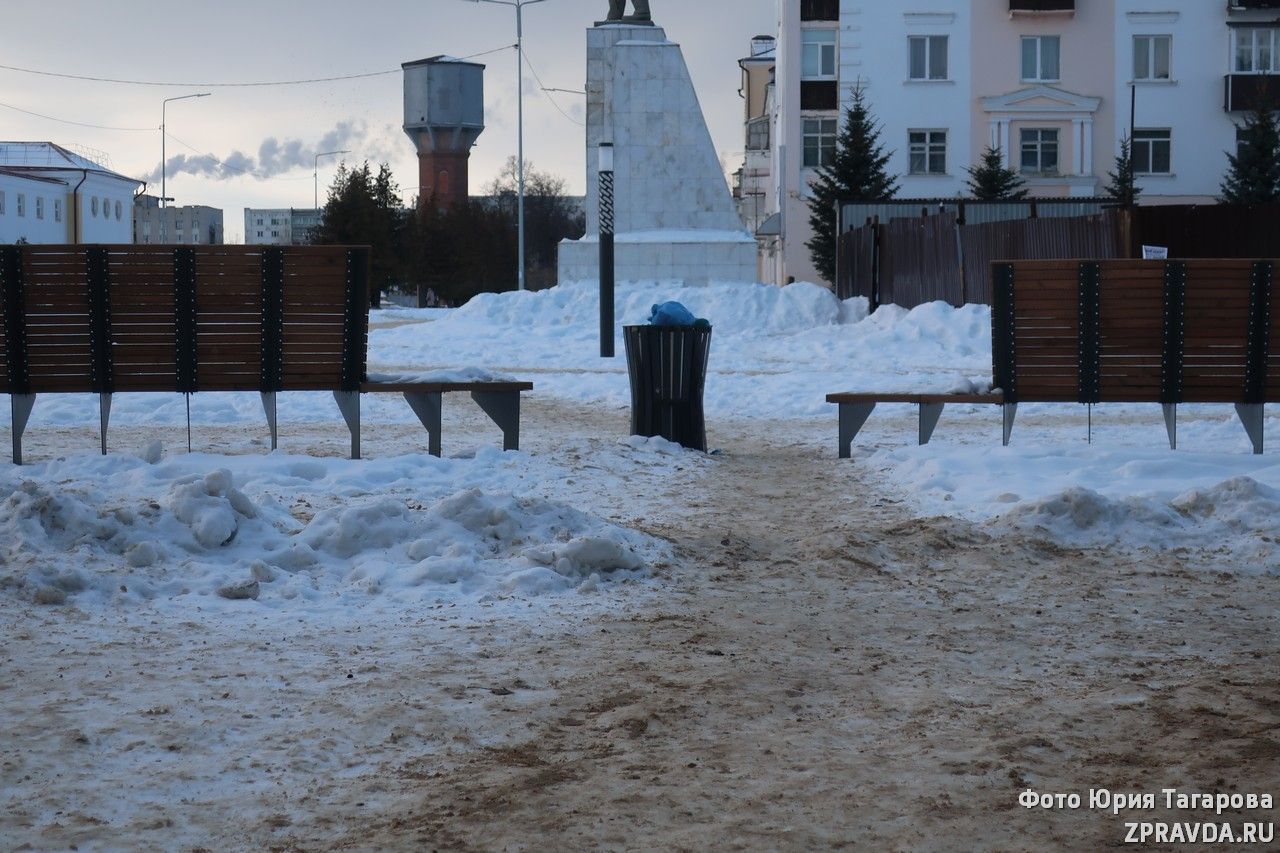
[[519, 7], [605, 170], [315, 171], [164, 106]]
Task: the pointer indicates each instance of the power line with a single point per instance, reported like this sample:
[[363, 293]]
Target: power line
[[546, 91], [206, 85], [77, 123]]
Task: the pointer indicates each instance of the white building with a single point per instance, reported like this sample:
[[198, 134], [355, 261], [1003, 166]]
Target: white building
[[282, 226], [49, 194], [1049, 82]]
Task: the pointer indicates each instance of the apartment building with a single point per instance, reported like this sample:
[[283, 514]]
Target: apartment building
[[285, 226], [1055, 84], [191, 224], [752, 183]]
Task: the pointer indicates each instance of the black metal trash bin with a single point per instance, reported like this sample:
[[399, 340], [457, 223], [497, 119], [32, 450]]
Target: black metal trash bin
[[668, 369]]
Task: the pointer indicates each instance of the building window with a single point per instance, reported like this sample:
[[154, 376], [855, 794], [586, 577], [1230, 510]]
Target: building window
[[259, 233], [146, 229], [818, 54], [819, 142], [57, 210], [22, 204], [928, 57], [1152, 152], [93, 205], [119, 212], [1256, 49], [758, 134], [179, 236], [195, 235], [39, 207], [928, 152], [1, 202], [1039, 151], [1041, 57], [1151, 57]]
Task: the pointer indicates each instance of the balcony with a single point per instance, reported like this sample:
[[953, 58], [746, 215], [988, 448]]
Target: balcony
[[819, 10], [1035, 7], [818, 95], [1248, 92]]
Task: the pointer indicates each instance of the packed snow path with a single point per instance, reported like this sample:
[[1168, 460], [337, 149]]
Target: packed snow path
[[823, 668]]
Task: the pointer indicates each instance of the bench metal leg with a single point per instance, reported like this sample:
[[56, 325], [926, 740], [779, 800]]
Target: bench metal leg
[[426, 405], [349, 404], [852, 418], [104, 417], [1171, 423], [503, 408], [929, 415], [1010, 412], [269, 406], [20, 406], [1251, 416]]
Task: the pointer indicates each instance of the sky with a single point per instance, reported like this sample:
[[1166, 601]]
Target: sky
[[270, 134]]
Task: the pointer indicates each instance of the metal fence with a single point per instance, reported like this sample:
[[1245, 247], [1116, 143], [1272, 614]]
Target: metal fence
[[945, 254], [909, 262], [967, 211]]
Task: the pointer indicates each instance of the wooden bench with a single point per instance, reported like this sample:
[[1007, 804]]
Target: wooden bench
[[856, 408], [1167, 332], [108, 319]]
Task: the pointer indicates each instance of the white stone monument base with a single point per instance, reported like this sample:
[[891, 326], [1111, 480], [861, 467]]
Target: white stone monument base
[[692, 257]]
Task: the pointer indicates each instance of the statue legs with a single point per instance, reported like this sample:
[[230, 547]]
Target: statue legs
[[640, 11]]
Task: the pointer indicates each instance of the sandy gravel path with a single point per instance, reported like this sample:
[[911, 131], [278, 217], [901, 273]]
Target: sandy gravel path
[[825, 671]]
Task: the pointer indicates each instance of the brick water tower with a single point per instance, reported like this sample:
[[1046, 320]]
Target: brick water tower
[[444, 116]]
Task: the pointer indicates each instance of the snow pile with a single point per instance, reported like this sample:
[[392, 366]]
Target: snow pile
[[732, 308], [1240, 517], [211, 507], [776, 352], [98, 537]]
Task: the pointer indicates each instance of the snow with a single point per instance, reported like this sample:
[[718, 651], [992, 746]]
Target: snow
[[312, 533], [232, 624], [676, 235], [307, 528]]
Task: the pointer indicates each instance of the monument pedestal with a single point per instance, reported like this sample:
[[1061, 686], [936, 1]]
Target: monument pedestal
[[675, 217]]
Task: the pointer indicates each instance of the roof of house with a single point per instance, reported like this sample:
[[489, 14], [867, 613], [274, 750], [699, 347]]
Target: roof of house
[[27, 176], [27, 157]]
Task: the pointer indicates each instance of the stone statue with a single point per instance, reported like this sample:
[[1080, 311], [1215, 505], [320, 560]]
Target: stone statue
[[640, 7]]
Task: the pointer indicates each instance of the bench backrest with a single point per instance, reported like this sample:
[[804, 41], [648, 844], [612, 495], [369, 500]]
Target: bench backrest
[[195, 318], [1136, 331]]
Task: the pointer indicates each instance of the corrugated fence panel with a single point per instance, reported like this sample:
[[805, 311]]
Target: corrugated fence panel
[[920, 262], [856, 263], [1209, 231]]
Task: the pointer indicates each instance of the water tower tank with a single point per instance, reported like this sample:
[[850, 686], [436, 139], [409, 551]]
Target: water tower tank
[[444, 116]]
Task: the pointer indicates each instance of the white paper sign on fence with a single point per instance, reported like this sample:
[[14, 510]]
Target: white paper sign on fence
[[1155, 253]]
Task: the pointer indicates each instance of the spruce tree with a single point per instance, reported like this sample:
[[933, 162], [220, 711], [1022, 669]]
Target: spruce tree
[[1254, 175], [991, 181], [1123, 189], [857, 172]]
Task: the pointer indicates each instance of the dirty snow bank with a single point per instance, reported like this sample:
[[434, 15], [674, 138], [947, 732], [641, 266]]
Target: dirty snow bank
[[1239, 518], [316, 533]]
